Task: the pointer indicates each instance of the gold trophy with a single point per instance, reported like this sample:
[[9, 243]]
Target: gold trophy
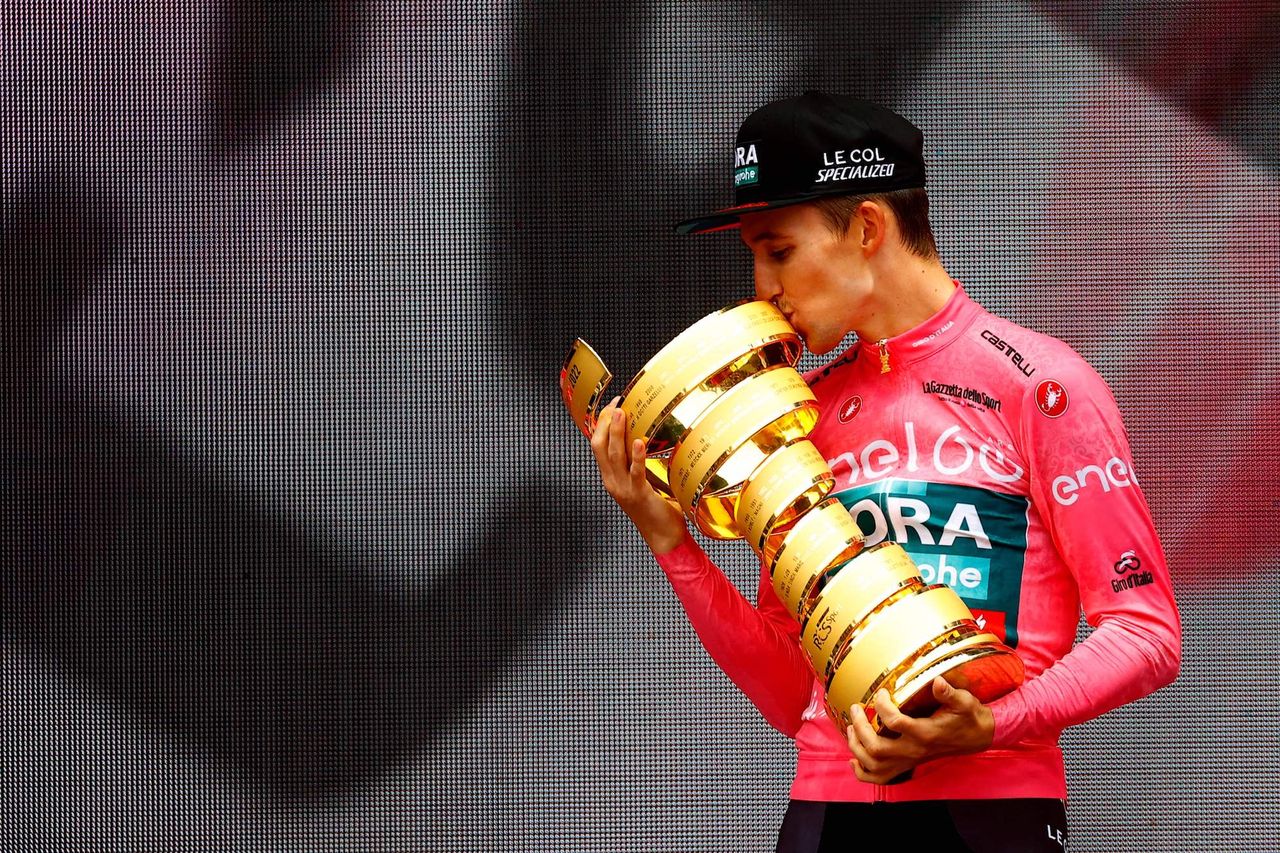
[[725, 418]]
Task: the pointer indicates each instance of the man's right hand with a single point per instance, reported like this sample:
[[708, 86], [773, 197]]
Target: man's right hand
[[622, 470]]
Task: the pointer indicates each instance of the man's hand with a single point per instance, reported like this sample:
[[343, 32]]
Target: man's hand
[[961, 725], [623, 474]]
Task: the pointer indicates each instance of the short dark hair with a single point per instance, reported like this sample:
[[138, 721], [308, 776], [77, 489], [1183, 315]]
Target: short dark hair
[[911, 207]]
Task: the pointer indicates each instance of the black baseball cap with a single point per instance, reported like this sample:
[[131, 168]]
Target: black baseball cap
[[799, 149]]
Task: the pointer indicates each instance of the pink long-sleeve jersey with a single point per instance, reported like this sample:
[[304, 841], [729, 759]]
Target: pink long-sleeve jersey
[[997, 458]]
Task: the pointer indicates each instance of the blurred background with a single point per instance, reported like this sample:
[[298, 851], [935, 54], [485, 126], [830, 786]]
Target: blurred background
[[298, 547]]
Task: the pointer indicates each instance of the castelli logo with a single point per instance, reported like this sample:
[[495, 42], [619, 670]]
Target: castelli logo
[[1051, 398], [850, 409]]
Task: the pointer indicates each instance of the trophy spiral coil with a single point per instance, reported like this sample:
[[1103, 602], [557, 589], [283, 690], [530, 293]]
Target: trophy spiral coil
[[725, 417]]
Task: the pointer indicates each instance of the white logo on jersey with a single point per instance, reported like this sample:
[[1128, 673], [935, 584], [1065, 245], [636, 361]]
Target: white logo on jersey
[[1114, 473], [908, 516], [952, 454]]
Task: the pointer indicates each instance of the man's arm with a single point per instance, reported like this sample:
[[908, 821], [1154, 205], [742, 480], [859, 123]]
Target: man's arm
[[756, 646], [1085, 488]]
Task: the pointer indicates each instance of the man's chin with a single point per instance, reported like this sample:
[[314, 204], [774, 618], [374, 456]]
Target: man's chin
[[817, 347]]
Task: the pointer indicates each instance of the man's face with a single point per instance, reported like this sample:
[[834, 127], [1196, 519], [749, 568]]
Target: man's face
[[816, 277]]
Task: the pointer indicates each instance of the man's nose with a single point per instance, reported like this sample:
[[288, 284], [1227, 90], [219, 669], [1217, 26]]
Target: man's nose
[[766, 286]]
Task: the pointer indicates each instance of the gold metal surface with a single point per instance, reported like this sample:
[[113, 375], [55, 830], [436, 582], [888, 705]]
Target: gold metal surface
[[820, 541], [889, 636], [986, 671], [699, 352], [826, 636], [790, 482], [933, 659], [957, 657], [863, 585], [671, 425], [725, 418], [714, 516], [583, 378], [717, 350], [739, 432]]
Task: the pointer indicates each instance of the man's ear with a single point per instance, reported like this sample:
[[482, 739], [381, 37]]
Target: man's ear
[[872, 226]]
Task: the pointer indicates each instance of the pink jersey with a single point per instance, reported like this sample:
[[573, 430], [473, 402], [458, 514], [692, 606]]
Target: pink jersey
[[997, 458]]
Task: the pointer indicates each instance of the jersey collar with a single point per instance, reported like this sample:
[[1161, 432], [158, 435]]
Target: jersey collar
[[925, 339]]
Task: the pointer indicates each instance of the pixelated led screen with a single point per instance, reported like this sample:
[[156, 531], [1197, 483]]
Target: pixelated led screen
[[298, 547]]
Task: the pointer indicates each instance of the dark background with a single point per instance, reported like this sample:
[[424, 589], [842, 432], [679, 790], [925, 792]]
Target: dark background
[[298, 547]]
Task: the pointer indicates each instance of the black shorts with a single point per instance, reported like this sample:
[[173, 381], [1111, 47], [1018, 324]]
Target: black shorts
[[979, 826]]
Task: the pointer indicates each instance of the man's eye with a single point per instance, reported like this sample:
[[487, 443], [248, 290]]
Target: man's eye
[[780, 254]]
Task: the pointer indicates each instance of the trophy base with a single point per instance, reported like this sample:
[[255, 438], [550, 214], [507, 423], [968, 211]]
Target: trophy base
[[988, 670]]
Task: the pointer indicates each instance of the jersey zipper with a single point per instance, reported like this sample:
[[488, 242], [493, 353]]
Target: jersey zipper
[[884, 355]]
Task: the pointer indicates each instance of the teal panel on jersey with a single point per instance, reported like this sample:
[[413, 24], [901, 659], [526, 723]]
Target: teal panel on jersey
[[971, 539]]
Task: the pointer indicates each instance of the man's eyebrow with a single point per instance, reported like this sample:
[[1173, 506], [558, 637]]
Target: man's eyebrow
[[759, 238]]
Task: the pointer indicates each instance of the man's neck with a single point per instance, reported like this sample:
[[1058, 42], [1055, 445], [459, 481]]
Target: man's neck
[[909, 292]]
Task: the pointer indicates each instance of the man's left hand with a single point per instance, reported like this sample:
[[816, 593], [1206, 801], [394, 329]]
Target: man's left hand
[[960, 725]]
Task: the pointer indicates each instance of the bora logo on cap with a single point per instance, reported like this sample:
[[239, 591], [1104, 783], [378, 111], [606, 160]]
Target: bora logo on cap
[[746, 164]]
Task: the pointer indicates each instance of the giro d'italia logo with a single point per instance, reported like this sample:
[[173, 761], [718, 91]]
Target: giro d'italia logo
[[1128, 568], [849, 410], [1051, 398]]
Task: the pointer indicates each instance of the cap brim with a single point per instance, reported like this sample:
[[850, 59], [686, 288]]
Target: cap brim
[[729, 218]]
